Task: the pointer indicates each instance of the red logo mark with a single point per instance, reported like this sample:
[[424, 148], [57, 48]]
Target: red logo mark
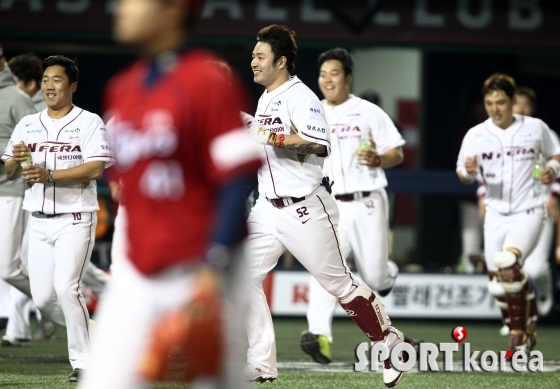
[[508, 354], [459, 334], [300, 294]]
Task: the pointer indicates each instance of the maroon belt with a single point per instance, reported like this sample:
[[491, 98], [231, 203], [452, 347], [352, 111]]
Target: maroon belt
[[285, 201], [352, 196]]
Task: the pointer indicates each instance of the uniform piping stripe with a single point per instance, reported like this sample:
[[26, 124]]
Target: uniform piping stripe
[[337, 243], [54, 186], [82, 274], [314, 137], [45, 127], [101, 156], [502, 169], [513, 158], [67, 124], [270, 170], [295, 83]]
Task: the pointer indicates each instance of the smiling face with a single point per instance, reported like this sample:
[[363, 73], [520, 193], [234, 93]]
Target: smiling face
[[499, 108], [266, 72], [56, 88], [334, 83]]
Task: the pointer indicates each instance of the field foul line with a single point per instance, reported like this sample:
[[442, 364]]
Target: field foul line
[[341, 367]]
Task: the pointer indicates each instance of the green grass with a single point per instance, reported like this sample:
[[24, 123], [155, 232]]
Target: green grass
[[45, 364]]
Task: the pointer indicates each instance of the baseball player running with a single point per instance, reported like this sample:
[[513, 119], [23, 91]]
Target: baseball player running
[[27, 70], [295, 210], [364, 140], [503, 150], [184, 162], [536, 265], [70, 149]]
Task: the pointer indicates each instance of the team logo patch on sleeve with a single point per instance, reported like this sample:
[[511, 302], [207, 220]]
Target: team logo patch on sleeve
[[315, 110]]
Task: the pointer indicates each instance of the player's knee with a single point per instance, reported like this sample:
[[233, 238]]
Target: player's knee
[[43, 303], [505, 259], [513, 279], [65, 292], [374, 281]]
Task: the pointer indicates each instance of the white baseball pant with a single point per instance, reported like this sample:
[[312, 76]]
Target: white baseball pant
[[308, 230], [15, 220], [130, 309], [59, 251], [537, 267], [518, 231], [364, 231], [4, 299], [471, 233]]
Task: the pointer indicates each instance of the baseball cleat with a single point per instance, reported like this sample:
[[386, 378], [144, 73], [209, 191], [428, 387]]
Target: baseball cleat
[[256, 374], [3, 325], [318, 346], [8, 341], [47, 328], [392, 376], [76, 375]]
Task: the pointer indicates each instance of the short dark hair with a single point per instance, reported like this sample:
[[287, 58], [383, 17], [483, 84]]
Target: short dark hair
[[27, 67], [529, 93], [339, 54], [282, 41], [499, 82], [70, 68]]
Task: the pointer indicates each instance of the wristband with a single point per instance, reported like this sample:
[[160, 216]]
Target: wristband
[[376, 161], [554, 165], [49, 179], [281, 140]]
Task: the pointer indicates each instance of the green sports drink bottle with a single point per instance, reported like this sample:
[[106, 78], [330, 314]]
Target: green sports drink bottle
[[537, 169], [364, 143], [28, 161]]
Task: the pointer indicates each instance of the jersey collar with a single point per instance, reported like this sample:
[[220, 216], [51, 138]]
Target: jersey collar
[[514, 126], [282, 88]]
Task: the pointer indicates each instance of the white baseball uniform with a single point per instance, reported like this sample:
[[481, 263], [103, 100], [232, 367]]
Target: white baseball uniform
[[363, 228], [536, 264], [62, 226], [294, 212], [514, 199]]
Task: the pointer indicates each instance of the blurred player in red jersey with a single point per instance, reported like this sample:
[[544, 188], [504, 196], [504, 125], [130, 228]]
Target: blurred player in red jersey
[[186, 167]]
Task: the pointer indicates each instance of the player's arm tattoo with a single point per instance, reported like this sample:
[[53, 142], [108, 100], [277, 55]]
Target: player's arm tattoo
[[305, 148], [296, 143]]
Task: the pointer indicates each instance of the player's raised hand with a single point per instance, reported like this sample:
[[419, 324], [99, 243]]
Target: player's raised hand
[[20, 152], [471, 165]]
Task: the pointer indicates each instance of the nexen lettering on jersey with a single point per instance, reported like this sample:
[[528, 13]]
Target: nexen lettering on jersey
[[58, 147], [345, 129], [270, 121], [511, 152]]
